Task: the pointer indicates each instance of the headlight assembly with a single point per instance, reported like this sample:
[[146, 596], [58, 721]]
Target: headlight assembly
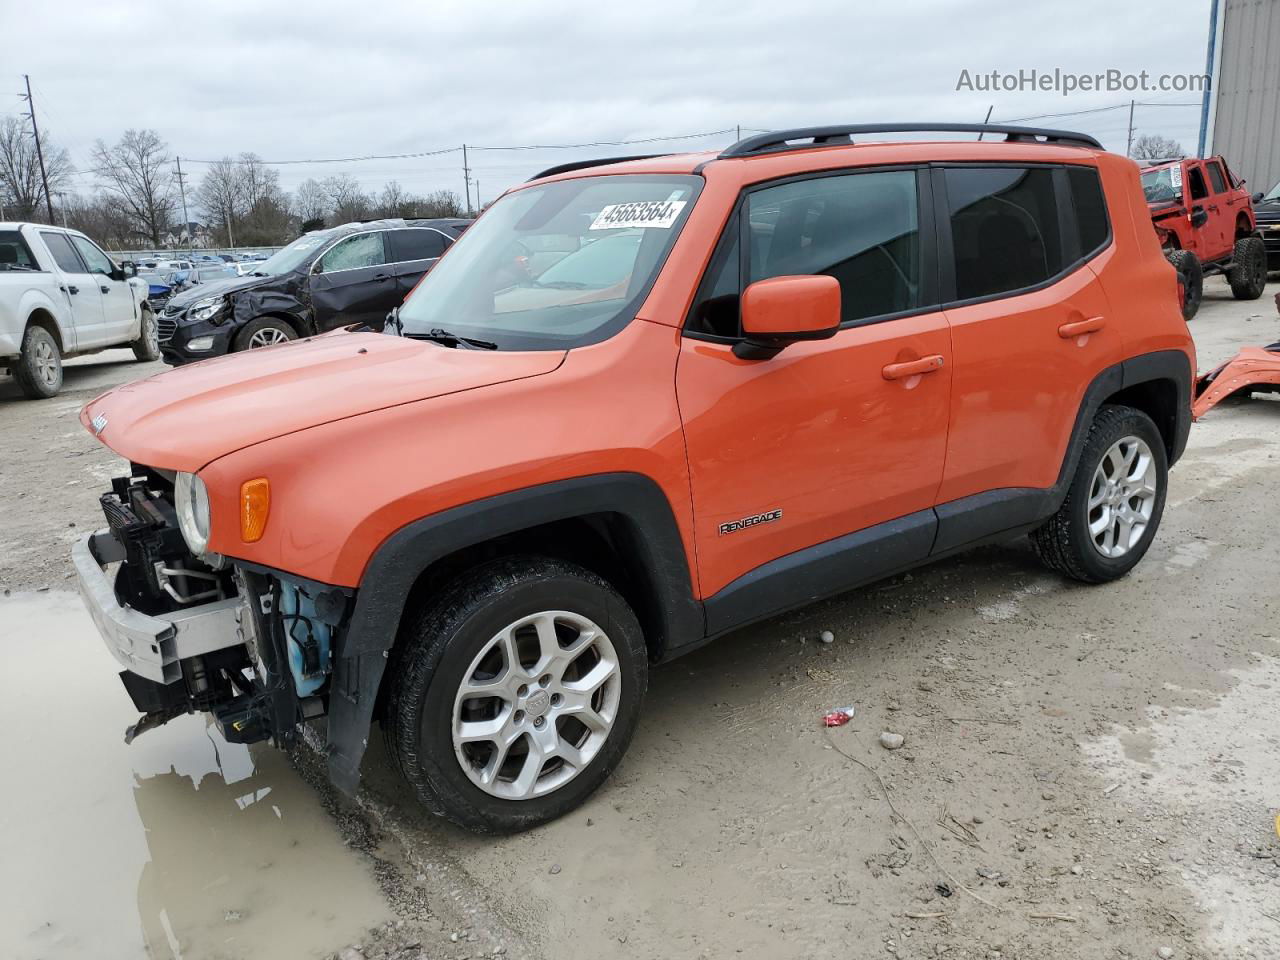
[[192, 501], [206, 309]]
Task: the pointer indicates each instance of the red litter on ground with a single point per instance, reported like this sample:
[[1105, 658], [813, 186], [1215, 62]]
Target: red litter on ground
[[838, 717]]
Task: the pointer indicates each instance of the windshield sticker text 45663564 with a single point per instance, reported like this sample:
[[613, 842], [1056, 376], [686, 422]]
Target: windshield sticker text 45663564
[[654, 214]]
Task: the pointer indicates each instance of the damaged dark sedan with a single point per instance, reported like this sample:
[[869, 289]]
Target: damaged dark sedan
[[355, 273]]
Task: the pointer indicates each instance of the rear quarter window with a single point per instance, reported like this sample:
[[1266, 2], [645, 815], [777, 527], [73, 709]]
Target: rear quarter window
[[1090, 204]]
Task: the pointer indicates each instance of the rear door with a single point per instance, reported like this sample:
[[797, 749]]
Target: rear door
[[80, 288], [414, 251], [1030, 329], [1224, 203], [353, 283], [1204, 240], [120, 315]]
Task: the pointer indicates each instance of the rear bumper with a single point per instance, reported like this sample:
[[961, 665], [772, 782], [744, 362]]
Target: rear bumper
[[150, 646]]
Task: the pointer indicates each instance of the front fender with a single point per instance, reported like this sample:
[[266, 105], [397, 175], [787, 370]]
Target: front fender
[[361, 655]]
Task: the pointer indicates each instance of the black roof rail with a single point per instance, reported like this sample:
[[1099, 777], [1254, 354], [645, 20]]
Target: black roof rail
[[584, 164], [779, 140]]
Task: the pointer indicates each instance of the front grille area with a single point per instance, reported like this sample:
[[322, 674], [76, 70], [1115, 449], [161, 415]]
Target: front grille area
[[165, 329]]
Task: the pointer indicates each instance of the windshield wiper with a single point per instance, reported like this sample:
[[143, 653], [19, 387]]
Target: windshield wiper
[[436, 335]]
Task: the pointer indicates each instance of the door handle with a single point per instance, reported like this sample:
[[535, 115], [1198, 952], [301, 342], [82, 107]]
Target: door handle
[[382, 276], [73, 289], [913, 368], [1079, 328], [105, 289]]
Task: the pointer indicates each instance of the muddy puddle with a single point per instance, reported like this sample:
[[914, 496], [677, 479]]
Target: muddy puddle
[[179, 846]]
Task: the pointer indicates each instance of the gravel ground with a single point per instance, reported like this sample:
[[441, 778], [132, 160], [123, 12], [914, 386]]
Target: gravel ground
[[1085, 772]]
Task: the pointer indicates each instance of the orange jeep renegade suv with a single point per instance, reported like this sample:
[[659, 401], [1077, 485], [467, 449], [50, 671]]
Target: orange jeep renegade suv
[[637, 405]]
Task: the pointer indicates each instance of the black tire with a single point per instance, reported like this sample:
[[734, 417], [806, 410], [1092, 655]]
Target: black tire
[[147, 346], [1190, 278], [1064, 542], [1248, 273], [436, 652], [260, 328], [38, 368]]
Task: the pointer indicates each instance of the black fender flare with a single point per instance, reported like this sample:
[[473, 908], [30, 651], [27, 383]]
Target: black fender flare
[[360, 656]]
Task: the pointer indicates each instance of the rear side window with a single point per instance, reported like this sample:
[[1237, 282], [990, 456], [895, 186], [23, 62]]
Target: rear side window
[[860, 228], [420, 244], [1216, 178], [14, 253], [1091, 209], [1198, 190], [1004, 228], [64, 255]]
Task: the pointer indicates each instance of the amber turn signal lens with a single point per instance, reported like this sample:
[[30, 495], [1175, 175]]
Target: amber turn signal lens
[[255, 504]]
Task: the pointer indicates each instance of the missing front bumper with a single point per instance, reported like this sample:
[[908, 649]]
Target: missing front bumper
[[151, 646]]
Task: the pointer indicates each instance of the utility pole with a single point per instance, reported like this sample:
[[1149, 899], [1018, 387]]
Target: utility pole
[[35, 130], [1129, 149], [477, 194], [231, 237], [186, 220], [62, 202], [466, 177]]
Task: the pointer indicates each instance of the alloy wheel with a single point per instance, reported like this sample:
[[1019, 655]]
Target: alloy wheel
[[46, 359], [267, 337], [536, 705], [1122, 497]]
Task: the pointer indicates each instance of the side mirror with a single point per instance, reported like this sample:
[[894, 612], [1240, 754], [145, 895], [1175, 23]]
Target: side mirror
[[1199, 217], [127, 269], [783, 310], [1257, 197]]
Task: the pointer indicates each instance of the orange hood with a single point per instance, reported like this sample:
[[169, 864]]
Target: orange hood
[[183, 419]]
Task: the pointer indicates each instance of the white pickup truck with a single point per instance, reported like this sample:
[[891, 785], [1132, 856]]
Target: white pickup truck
[[61, 296]]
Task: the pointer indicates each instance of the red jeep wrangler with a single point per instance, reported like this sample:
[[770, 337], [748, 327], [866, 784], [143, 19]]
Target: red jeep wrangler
[[636, 406], [1204, 218]]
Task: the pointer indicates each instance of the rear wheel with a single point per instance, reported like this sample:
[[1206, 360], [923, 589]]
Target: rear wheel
[[147, 346], [515, 693], [1248, 274], [1115, 501], [1190, 279], [38, 369], [264, 332]]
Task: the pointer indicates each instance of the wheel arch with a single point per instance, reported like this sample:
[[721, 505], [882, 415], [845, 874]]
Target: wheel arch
[[41, 317], [619, 525], [1244, 228]]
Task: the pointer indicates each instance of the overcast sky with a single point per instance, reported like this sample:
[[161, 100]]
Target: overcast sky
[[352, 79]]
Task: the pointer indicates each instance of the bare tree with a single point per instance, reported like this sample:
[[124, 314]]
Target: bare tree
[[441, 203], [346, 199], [101, 219], [21, 189], [221, 198], [310, 202], [393, 201], [1151, 146], [135, 176]]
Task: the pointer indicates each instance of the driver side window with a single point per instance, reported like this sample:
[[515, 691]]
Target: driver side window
[[98, 261], [361, 250]]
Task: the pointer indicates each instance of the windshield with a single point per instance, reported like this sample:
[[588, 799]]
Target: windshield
[[1272, 194], [554, 266], [1163, 183], [292, 256]]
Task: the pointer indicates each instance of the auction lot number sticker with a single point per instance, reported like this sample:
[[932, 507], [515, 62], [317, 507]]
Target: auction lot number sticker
[[654, 214]]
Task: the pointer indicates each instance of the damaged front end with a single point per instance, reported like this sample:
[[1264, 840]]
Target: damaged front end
[[193, 632], [1252, 370]]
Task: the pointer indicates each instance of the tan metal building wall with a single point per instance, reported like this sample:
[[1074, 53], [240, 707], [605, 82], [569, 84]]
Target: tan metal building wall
[[1245, 113]]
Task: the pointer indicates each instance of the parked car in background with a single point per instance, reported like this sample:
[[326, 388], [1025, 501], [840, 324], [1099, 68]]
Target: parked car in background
[[1205, 221], [767, 376], [1266, 210], [354, 273], [62, 296]]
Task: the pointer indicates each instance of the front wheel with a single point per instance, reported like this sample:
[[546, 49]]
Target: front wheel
[[1115, 501], [1190, 280], [147, 346], [264, 332], [1248, 275], [515, 693]]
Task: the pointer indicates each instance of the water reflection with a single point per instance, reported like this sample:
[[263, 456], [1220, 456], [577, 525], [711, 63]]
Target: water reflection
[[179, 846]]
